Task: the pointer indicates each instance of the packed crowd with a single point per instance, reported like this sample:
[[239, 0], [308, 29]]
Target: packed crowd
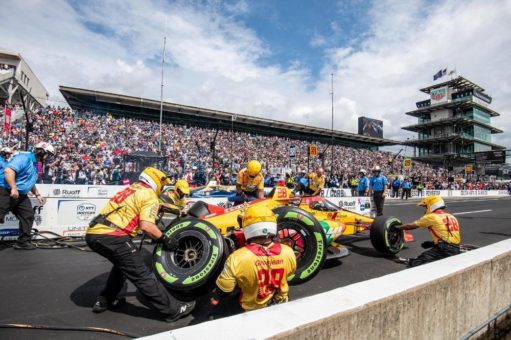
[[90, 149]]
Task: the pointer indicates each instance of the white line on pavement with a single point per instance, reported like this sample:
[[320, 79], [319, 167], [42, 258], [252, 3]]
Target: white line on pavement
[[470, 212]]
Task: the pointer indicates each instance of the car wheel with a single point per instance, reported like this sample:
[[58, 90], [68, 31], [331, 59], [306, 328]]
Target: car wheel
[[191, 269], [384, 237], [303, 233]]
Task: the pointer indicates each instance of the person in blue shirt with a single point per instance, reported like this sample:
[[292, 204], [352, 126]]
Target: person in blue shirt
[[396, 184], [407, 188], [378, 188], [20, 179], [363, 183]]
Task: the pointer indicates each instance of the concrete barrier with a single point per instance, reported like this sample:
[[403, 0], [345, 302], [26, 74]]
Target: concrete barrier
[[440, 300]]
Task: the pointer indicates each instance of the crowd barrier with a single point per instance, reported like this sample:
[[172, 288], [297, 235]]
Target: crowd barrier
[[440, 300], [69, 208]]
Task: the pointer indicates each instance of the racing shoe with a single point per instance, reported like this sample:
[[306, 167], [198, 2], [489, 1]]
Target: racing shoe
[[24, 246], [402, 260], [185, 309], [102, 304]]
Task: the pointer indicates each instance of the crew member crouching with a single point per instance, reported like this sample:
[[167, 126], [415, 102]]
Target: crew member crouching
[[249, 184], [444, 229], [177, 195], [260, 268]]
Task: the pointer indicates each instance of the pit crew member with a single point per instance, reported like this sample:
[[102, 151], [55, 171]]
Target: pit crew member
[[177, 195], [110, 234], [378, 188], [444, 229], [316, 182], [249, 184], [260, 269], [20, 177]]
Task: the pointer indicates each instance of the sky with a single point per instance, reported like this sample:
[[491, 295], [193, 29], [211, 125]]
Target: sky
[[271, 59]]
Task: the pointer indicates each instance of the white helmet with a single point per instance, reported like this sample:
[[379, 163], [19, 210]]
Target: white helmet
[[362, 171], [376, 168], [47, 147], [6, 149], [259, 221]]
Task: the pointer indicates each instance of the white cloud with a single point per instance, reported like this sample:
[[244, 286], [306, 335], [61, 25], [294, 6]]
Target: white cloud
[[215, 59]]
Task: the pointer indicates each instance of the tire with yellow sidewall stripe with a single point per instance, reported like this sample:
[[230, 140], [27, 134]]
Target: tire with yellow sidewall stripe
[[193, 267], [302, 232]]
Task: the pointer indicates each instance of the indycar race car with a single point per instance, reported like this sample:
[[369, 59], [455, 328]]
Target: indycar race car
[[309, 225]]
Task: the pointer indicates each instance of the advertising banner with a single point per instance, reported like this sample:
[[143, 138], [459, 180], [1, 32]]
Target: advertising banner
[[439, 95]]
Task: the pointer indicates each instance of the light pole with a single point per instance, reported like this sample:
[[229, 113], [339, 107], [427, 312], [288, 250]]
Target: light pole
[[161, 92], [332, 141]]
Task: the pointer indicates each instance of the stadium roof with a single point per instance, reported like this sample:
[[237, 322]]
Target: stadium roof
[[458, 83], [149, 109]]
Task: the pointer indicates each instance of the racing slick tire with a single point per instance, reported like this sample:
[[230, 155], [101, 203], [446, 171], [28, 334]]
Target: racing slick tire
[[302, 232], [384, 237], [191, 269]]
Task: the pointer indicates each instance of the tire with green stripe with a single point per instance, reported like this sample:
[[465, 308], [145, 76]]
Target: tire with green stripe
[[191, 269], [384, 237], [302, 232]]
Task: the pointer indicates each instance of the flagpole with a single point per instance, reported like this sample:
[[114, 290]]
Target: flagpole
[[161, 92]]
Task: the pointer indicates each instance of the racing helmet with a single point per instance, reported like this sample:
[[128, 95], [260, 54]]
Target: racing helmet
[[254, 168], [182, 188], [259, 221], [432, 203], [155, 178], [47, 147]]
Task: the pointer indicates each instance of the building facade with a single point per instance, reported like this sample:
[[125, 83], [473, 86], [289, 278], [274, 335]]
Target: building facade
[[454, 124]]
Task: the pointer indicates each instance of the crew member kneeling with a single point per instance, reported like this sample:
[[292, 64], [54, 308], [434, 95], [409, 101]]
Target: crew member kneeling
[[110, 235], [177, 195], [260, 268], [444, 229], [249, 184]]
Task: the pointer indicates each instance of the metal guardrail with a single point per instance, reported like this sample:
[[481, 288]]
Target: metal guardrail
[[487, 323]]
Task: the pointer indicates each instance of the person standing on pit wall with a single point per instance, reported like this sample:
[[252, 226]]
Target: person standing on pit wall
[[420, 189], [316, 182], [354, 186], [396, 184], [407, 188], [363, 183], [378, 189], [20, 177], [110, 234], [444, 229], [261, 268]]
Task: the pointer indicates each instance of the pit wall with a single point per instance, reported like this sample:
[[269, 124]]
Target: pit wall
[[69, 208], [440, 300]]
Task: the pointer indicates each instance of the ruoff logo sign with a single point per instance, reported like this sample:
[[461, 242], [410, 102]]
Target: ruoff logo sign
[[66, 193]]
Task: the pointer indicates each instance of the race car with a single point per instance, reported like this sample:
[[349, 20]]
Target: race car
[[311, 226]]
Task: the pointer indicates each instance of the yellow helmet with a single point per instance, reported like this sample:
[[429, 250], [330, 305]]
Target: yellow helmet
[[254, 167], [155, 178], [259, 221], [432, 203], [182, 188]]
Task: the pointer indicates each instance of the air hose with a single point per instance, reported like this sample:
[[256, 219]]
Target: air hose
[[68, 328]]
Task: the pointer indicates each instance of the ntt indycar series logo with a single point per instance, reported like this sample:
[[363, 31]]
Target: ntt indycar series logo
[[85, 211]]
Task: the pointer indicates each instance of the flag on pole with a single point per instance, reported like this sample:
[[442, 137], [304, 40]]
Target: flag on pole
[[440, 74], [7, 120]]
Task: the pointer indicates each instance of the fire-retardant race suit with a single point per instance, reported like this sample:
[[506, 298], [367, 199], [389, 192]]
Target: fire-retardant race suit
[[316, 182], [249, 184], [262, 267], [444, 229], [110, 235]]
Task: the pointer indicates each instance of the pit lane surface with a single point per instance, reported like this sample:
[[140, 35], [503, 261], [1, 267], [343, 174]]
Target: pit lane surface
[[58, 287]]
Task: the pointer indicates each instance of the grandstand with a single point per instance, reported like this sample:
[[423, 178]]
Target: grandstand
[[141, 108]]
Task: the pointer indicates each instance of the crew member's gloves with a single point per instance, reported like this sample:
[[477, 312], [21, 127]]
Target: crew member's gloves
[[169, 242], [427, 244]]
